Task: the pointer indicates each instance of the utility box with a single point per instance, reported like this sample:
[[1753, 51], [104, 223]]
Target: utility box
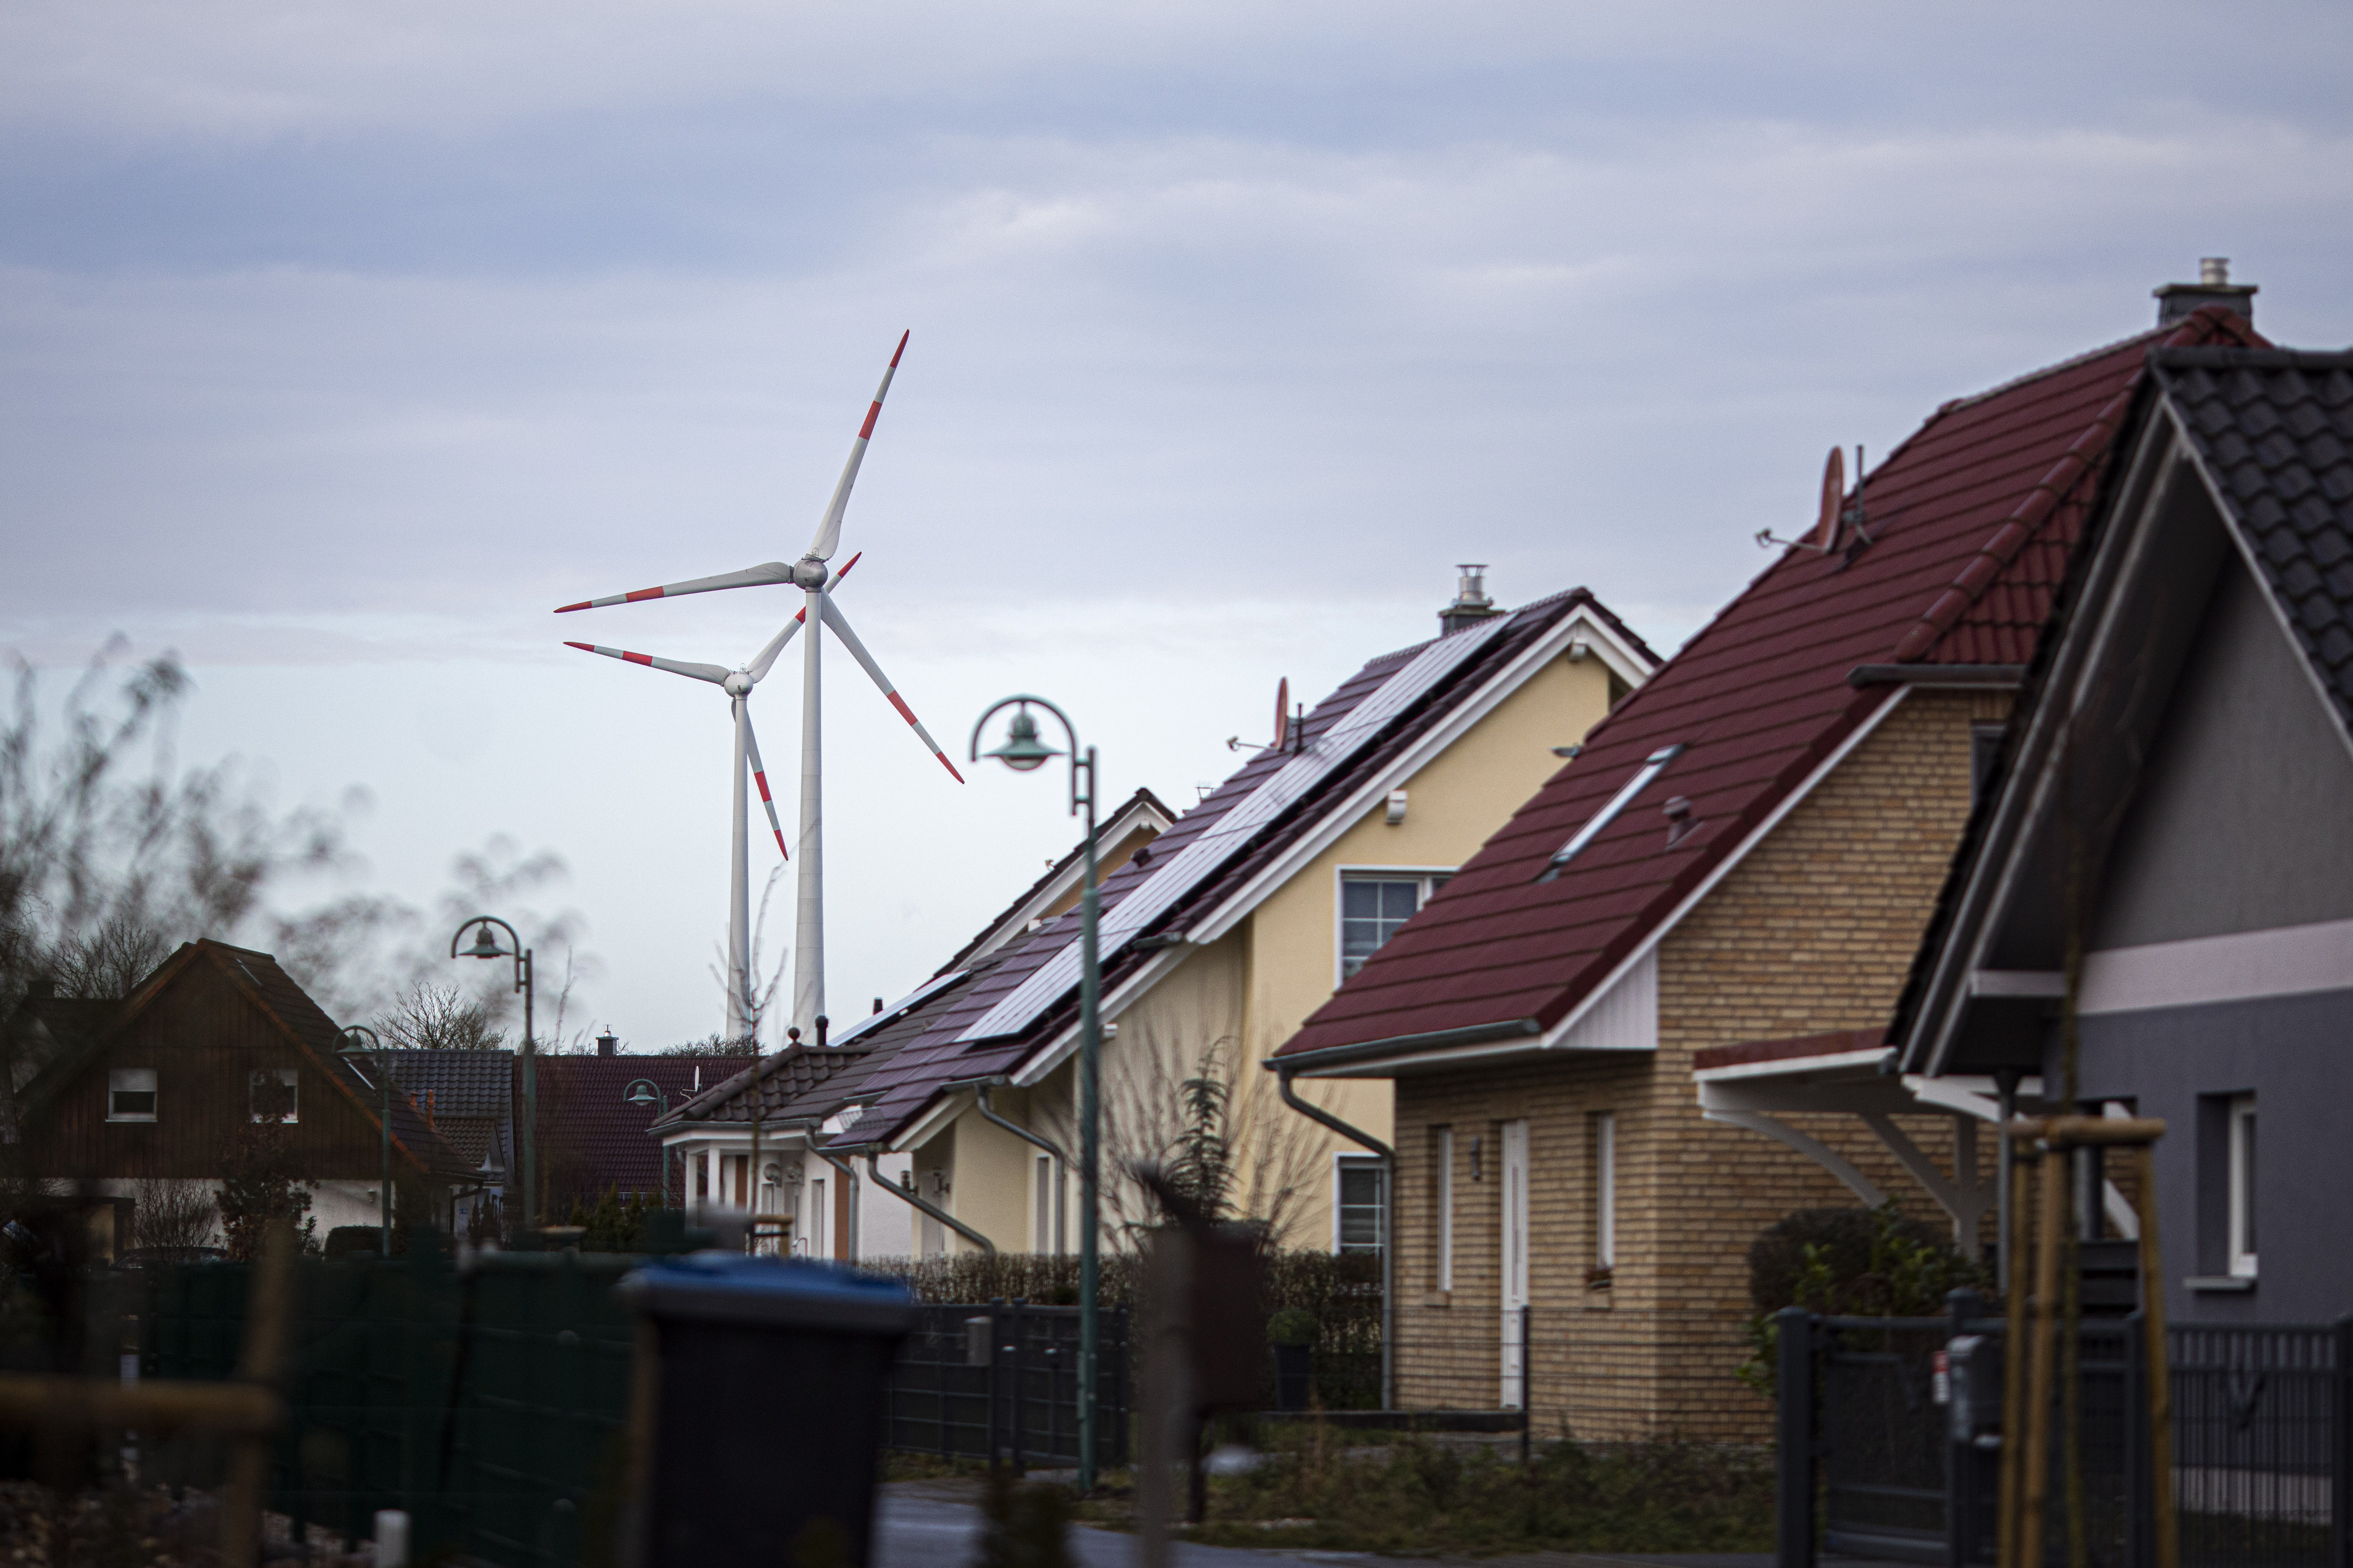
[[1974, 1365], [756, 1417]]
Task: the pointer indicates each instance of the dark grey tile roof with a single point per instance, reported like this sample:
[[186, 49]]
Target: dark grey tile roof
[[799, 1081], [462, 1083], [2275, 429]]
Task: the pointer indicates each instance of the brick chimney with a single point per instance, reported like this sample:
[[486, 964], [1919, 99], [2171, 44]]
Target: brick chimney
[[608, 1043], [2175, 301]]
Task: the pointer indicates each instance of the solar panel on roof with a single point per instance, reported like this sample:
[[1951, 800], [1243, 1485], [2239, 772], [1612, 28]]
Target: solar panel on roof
[[1200, 859]]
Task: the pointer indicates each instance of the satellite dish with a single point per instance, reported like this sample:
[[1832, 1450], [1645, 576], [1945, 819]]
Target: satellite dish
[[1282, 713], [1833, 497]]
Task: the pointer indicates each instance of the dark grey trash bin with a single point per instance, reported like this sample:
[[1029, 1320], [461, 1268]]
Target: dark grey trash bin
[[761, 1409]]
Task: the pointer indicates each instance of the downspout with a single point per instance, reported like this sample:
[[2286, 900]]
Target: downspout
[[1388, 1220], [940, 1215], [989, 1113]]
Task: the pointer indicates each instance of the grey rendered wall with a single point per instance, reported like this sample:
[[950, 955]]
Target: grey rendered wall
[[2244, 817], [2294, 1054]]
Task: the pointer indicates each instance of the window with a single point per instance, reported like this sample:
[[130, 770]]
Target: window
[[1357, 1217], [273, 1094], [1605, 1195], [1373, 905], [1985, 755], [2243, 1186], [817, 1218], [131, 1094], [1442, 1200], [1046, 1233]]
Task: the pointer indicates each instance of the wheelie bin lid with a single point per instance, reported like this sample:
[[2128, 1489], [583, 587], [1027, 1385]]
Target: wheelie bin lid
[[769, 1292]]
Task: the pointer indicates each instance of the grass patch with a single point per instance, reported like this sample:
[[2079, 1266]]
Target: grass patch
[[1408, 1493]]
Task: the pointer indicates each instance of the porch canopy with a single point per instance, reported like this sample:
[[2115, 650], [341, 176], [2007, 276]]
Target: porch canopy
[[1758, 1083]]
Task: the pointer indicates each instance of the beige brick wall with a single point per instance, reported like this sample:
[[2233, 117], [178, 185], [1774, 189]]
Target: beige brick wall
[[1813, 932]]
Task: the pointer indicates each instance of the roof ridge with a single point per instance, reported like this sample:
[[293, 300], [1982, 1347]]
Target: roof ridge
[[2083, 458]]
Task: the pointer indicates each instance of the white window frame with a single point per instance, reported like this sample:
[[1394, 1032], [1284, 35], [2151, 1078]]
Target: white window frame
[[130, 1080], [1427, 876], [1443, 1194], [1605, 1190], [292, 1078], [2242, 1152], [1341, 1162]]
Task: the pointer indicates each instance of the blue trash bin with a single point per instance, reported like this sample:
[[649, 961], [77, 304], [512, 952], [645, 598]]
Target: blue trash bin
[[759, 1409]]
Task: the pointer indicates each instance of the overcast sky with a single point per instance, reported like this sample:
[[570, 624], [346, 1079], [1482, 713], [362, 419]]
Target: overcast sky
[[339, 343]]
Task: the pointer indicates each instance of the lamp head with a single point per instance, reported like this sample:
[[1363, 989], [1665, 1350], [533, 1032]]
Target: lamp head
[[642, 1093], [486, 945], [1023, 751]]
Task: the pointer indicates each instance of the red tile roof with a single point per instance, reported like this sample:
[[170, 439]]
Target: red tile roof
[[1747, 1053], [591, 1138], [1974, 517]]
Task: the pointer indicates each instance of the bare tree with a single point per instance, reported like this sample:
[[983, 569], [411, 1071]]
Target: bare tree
[[429, 1017], [1173, 1098], [174, 1211]]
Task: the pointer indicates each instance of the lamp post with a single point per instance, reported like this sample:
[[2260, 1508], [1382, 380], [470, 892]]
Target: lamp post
[[646, 1091], [1023, 751], [487, 946], [384, 1123]]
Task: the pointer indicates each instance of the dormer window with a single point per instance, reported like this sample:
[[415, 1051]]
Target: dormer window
[[131, 1094], [273, 1094]]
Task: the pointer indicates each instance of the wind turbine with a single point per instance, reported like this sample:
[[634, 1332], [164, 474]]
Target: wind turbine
[[811, 574]]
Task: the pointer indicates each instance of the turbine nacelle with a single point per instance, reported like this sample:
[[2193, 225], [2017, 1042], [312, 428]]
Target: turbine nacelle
[[738, 684], [808, 571]]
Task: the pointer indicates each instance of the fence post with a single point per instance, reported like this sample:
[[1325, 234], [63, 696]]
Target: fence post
[[1794, 1434], [1020, 1386], [2340, 1449], [1528, 1378]]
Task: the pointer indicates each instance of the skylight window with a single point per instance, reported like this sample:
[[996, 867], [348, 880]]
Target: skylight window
[[1652, 767]]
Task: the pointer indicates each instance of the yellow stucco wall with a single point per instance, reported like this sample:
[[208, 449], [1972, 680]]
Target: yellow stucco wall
[[1248, 992]]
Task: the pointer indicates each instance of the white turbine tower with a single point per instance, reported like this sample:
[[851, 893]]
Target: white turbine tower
[[811, 576]]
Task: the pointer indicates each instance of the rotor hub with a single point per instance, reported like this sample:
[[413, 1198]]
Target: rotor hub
[[808, 571], [739, 684]]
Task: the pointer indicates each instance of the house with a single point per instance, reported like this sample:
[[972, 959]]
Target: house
[[1227, 931], [468, 1097], [2161, 880], [1742, 854], [158, 1086]]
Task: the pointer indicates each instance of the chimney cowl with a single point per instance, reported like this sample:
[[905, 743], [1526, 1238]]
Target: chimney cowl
[[1471, 603], [2177, 300]]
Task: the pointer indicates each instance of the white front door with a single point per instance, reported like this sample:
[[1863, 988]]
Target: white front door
[[1515, 1257]]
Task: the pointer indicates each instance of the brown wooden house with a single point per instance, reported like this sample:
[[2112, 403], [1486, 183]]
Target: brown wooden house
[[158, 1087]]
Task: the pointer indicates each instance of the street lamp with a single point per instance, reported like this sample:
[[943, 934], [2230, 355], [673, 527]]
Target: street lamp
[[487, 946], [383, 1122], [646, 1091], [1024, 753]]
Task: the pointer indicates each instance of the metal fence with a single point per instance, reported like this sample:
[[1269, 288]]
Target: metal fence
[[488, 1402], [1875, 1463], [999, 1380]]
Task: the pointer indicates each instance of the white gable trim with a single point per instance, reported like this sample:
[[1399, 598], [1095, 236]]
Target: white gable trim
[[1065, 878], [1053, 1052], [2240, 966], [1559, 1033], [1579, 624]]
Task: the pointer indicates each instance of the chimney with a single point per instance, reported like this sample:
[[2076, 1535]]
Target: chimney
[[608, 1043], [2214, 286], [1471, 603]]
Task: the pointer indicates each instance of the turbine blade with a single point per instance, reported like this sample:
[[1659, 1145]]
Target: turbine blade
[[710, 672], [841, 625], [760, 777], [765, 661], [750, 577], [828, 528]]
